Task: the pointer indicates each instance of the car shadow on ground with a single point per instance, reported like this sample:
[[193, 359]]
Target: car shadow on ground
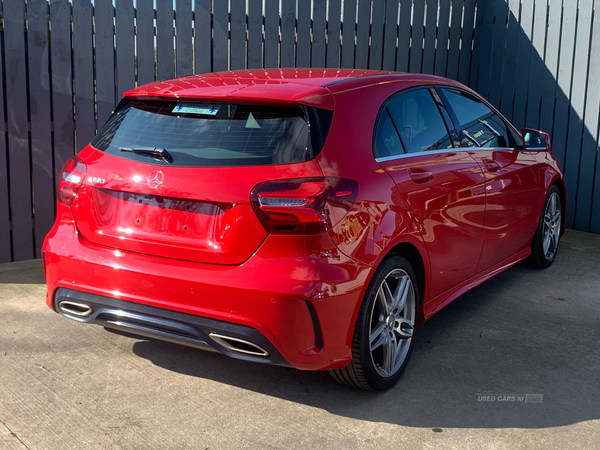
[[523, 332]]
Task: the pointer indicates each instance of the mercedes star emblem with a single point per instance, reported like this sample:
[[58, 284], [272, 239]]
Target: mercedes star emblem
[[155, 179]]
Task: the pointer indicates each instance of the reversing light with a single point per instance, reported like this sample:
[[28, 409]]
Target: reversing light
[[303, 205], [70, 180]]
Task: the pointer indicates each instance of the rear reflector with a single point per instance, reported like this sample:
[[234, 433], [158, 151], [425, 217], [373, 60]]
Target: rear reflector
[[303, 205], [70, 180]]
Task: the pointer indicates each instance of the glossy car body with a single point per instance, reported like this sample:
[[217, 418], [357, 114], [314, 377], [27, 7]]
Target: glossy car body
[[163, 260]]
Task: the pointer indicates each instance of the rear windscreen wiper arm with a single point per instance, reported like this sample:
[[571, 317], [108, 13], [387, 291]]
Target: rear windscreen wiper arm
[[153, 152]]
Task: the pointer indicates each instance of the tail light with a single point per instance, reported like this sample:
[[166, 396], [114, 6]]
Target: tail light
[[303, 205], [70, 179]]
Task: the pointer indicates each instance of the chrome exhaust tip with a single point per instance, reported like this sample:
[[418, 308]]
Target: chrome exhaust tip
[[238, 345], [75, 309]]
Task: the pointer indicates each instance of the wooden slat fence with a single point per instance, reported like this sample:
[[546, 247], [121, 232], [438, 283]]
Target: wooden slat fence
[[64, 65]]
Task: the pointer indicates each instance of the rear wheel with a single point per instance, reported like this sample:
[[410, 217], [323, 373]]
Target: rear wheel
[[383, 337], [547, 236]]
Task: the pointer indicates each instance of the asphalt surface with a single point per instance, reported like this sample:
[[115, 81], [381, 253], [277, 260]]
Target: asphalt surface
[[64, 385]]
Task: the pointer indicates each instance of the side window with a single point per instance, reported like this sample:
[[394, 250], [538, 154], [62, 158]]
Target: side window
[[419, 122], [481, 127], [387, 142]]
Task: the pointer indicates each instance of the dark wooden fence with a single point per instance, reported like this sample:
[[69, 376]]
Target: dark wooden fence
[[65, 64]]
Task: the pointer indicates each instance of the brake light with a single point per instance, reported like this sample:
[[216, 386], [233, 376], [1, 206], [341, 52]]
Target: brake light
[[303, 205], [70, 179]]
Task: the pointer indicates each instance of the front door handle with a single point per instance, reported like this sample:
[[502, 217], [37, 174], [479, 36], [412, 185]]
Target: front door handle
[[420, 175]]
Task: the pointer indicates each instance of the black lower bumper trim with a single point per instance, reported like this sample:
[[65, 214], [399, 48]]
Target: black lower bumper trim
[[167, 325]]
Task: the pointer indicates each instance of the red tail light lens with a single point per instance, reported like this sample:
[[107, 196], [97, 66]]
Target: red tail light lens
[[70, 180], [303, 205]]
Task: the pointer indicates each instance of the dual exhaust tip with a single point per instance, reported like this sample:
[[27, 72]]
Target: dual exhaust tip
[[232, 344]]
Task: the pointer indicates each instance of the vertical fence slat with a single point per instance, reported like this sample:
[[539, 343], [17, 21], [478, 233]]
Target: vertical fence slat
[[361, 59], [523, 62], [318, 42], [510, 56], [333, 33], [466, 42], [578, 101], [5, 241], [202, 38], [390, 34], [349, 26], [551, 68], [255, 36], [588, 210], [288, 32], [238, 34], [536, 69], [271, 33], [183, 27], [220, 34], [454, 44], [431, 11], [563, 80], [105, 60], [443, 38], [377, 18], [83, 70], [39, 107], [165, 56], [402, 53], [498, 46], [125, 50], [485, 48], [145, 42], [62, 82], [416, 48], [18, 140], [303, 35]]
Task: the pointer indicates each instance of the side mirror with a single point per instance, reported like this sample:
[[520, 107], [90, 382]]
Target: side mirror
[[535, 140]]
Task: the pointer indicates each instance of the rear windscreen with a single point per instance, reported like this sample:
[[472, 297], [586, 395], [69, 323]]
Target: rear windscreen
[[210, 134]]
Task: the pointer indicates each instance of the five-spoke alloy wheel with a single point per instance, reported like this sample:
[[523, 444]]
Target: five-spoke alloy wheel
[[384, 329], [547, 237]]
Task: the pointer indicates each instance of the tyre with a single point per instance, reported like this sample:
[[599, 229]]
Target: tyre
[[547, 236], [386, 323]]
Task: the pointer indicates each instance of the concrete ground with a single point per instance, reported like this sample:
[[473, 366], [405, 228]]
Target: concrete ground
[[64, 385]]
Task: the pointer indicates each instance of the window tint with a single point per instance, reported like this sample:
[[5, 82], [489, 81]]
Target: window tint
[[481, 127], [208, 135], [419, 122], [387, 142]]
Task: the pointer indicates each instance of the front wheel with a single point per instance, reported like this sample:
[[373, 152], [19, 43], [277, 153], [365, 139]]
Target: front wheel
[[383, 337], [547, 236]]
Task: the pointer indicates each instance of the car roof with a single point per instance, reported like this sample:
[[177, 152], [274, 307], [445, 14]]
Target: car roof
[[311, 87]]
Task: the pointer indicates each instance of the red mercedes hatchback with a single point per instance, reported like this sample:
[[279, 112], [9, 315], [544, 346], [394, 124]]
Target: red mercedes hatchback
[[308, 218]]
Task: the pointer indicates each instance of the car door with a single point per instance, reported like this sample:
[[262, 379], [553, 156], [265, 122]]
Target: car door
[[512, 175], [442, 185]]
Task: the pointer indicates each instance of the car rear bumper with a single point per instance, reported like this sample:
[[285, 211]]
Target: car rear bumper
[[296, 298]]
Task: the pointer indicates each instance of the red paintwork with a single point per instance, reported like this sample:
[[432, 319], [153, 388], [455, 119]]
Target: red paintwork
[[468, 215]]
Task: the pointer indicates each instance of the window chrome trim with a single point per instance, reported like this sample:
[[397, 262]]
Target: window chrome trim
[[446, 150]]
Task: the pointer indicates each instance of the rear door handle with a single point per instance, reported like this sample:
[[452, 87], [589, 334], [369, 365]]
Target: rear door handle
[[420, 175], [491, 165]]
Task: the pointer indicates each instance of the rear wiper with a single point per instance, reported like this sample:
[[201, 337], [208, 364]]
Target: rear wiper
[[153, 152]]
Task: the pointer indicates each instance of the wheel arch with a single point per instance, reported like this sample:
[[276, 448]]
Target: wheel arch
[[414, 257]]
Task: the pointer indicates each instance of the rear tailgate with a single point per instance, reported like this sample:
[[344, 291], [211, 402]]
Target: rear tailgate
[[198, 214]]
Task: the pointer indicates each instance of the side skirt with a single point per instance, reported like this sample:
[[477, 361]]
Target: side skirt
[[436, 304]]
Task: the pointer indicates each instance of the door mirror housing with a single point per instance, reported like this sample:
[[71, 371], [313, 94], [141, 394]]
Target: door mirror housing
[[535, 140]]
